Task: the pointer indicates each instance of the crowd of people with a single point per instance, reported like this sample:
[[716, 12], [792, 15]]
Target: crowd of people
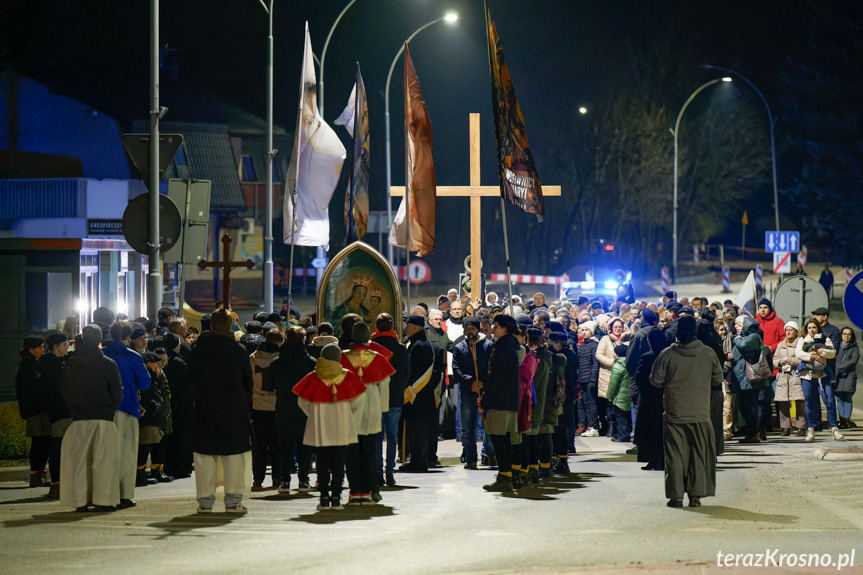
[[124, 404]]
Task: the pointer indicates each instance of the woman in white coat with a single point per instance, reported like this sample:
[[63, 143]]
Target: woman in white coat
[[788, 387], [606, 358]]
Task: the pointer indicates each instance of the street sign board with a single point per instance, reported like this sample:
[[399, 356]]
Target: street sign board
[[782, 242], [136, 224], [199, 219], [853, 300], [419, 272], [797, 296], [782, 262], [138, 148]]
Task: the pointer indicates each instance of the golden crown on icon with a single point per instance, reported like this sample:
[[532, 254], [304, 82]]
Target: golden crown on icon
[[375, 292], [361, 279]]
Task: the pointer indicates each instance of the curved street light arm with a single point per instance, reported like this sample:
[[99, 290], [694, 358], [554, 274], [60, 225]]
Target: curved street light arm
[[772, 121], [324, 55]]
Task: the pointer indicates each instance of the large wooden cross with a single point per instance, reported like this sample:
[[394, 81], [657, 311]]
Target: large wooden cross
[[474, 191], [226, 266]]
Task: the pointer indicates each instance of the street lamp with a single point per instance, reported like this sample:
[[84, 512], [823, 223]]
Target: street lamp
[[772, 121], [449, 18], [675, 133], [268, 225]]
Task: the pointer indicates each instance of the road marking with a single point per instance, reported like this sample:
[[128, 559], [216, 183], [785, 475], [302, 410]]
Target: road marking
[[100, 548]]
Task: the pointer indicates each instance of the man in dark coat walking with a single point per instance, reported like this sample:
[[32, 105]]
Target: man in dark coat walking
[[469, 365], [685, 372], [422, 394], [221, 374]]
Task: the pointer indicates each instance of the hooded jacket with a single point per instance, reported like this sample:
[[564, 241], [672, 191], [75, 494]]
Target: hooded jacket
[[747, 348], [293, 364], [773, 329], [588, 365], [91, 385], [263, 381], [686, 372], [847, 359]]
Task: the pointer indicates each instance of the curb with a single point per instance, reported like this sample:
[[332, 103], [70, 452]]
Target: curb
[[830, 455]]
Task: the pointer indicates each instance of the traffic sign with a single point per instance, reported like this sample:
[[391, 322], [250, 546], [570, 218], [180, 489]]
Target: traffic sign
[[136, 227], [782, 242], [138, 148], [419, 272], [797, 296], [853, 300], [782, 262], [319, 263]]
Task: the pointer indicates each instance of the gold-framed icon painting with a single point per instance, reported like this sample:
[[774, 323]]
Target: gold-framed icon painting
[[359, 280]]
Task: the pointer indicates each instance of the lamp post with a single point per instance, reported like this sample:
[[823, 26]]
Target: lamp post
[[450, 17], [675, 133], [319, 251], [268, 225], [772, 121]]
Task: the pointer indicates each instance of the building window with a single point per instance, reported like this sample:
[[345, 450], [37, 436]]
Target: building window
[[247, 169]]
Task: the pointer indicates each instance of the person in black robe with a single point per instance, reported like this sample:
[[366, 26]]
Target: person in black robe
[[648, 419]]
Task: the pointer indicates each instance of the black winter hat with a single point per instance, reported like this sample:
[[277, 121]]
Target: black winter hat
[[686, 325], [506, 321], [360, 333], [416, 319], [765, 301]]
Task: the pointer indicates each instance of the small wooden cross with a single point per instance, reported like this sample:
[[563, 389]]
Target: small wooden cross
[[226, 266], [474, 191]]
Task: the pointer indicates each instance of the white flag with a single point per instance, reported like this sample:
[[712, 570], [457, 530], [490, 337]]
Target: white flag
[[747, 296], [316, 163]]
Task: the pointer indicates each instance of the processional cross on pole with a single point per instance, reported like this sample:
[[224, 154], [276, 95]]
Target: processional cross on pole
[[226, 266], [474, 191]]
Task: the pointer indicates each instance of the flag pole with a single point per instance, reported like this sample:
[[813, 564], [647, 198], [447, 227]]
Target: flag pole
[[506, 254], [408, 189], [297, 137]]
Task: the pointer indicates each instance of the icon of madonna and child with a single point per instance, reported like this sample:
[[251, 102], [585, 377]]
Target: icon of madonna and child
[[358, 280]]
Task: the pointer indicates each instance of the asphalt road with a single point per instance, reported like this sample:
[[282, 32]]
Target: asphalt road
[[607, 513]]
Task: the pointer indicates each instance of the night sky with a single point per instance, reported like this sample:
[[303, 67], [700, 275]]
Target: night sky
[[562, 54]]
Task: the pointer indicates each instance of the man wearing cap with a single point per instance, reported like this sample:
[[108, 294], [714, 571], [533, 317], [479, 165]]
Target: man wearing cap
[[831, 331], [469, 365], [428, 364], [673, 308], [499, 399], [165, 315], [685, 372], [135, 378], [772, 327], [221, 374], [91, 387]]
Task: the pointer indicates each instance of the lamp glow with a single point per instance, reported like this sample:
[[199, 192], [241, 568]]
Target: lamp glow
[[451, 17], [582, 110], [726, 79]]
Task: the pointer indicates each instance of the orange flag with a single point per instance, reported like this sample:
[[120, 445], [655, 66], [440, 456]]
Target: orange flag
[[413, 227]]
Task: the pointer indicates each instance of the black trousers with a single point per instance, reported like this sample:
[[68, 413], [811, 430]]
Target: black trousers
[[559, 441], [747, 403], [40, 450], [546, 447], [330, 464], [291, 450], [360, 464], [178, 452], [54, 458], [503, 452], [421, 433], [265, 444]]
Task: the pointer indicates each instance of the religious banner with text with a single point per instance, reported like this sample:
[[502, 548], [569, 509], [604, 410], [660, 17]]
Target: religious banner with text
[[417, 226], [355, 119], [316, 163], [519, 181]]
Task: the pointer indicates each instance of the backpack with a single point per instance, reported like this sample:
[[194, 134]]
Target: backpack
[[758, 371], [557, 389]]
